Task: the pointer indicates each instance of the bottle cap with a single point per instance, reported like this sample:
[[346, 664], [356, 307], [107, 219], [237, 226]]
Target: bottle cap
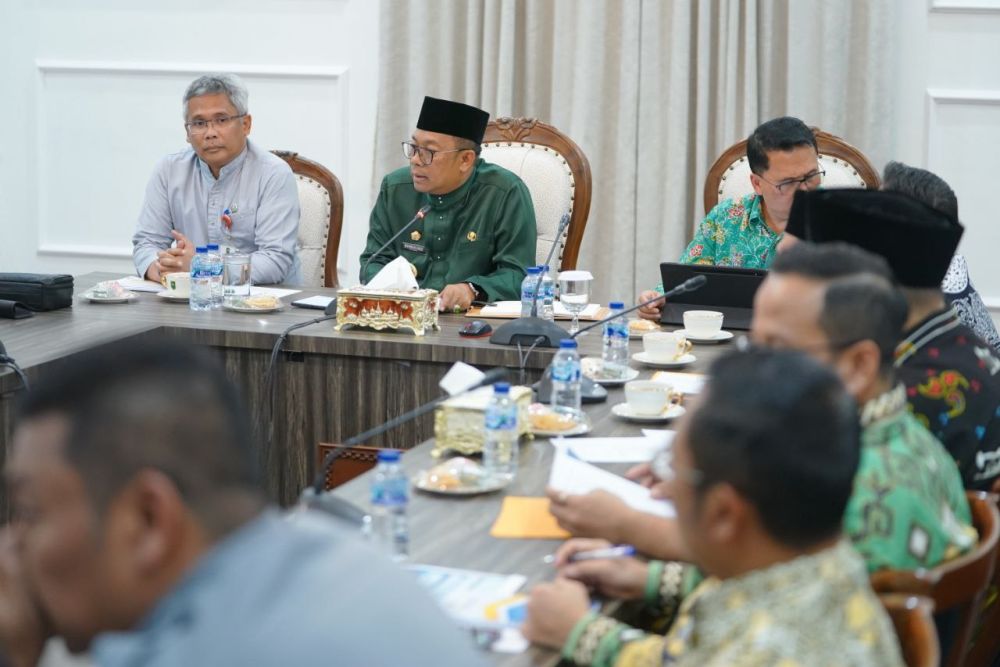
[[567, 344], [388, 455], [201, 248], [501, 387], [616, 305], [212, 246], [532, 270]]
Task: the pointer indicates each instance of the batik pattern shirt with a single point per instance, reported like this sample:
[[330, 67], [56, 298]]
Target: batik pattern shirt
[[815, 610], [952, 380], [965, 300], [908, 509], [734, 233]]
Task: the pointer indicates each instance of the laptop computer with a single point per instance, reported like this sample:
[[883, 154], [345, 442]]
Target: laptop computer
[[729, 290]]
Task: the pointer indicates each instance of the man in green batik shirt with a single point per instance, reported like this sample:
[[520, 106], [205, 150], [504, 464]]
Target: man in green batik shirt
[[746, 231], [479, 234], [760, 480]]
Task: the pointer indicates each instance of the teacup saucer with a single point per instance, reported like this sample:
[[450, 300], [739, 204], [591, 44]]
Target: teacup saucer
[[94, 298], [644, 358], [625, 412], [590, 363], [718, 337], [172, 296]]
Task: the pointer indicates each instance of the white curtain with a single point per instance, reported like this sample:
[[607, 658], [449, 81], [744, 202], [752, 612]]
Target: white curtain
[[652, 91]]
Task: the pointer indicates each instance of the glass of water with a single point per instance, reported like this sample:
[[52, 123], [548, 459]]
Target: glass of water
[[235, 278], [574, 294]]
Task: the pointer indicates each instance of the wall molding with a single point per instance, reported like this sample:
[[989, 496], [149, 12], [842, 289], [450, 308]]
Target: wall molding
[[964, 6], [336, 74]]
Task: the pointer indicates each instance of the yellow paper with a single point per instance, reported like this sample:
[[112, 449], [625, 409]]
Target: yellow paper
[[522, 517]]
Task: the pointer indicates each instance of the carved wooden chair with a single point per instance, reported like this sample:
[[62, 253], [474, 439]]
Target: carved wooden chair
[[321, 218], [913, 618], [985, 649], [845, 167], [957, 585], [557, 174], [350, 463]]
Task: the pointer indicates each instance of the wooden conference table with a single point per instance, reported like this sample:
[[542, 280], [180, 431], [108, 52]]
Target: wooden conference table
[[329, 386]]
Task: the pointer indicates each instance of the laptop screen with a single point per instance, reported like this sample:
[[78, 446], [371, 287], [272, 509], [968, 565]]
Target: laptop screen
[[729, 290]]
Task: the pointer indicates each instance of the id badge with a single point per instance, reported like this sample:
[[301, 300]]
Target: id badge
[[413, 247]]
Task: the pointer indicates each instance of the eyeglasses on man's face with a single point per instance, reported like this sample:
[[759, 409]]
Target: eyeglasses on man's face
[[425, 155], [789, 185], [201, 126]]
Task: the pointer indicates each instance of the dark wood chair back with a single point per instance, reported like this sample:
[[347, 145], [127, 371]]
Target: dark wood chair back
[[350, 463], [957, 585], [844, 164], [985, 650], [913, 618], [557, 174], [321, 201]]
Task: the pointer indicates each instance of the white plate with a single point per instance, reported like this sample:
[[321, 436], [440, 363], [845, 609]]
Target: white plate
[[630, 374], [167, 296], [637, 335], [644, 358], [625, 412], [489, 486], [579, 429], [258, 311], [717, 338], [89, 296]]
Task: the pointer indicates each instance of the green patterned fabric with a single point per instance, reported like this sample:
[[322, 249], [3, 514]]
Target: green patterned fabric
[[734, 234]]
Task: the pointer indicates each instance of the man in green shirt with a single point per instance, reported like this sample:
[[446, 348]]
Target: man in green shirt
[[745, 232], [478, 235], [760, 480]]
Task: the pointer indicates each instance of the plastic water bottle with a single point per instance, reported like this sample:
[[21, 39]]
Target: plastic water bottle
[[500, 448], [201, 281], [615, 351], [215, 270], [547, 298], [566, 377], [528, 290], [389, 527]]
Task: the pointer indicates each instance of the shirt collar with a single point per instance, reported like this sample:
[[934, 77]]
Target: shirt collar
[[233, 166], [179, 605], [926, 331], [458, 195], [755, 215]]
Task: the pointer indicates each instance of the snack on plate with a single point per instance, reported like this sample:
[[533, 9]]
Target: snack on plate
[[642, 326], [261, 302], [454, 474], [109, 289], [545, 419]]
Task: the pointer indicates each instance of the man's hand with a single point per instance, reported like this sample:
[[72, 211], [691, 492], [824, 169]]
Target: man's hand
[[177, 258], [652, 311], [622, 578], [642, 473], [455, 298], [553, 609], [578, 545], [23, 631], [155, 272], [594, 514]]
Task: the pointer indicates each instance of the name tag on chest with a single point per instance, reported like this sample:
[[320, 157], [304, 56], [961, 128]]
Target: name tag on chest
[[413, 247]]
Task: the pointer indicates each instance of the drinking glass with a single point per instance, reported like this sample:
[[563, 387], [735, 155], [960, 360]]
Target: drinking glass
[[235, 278], [574, 294]]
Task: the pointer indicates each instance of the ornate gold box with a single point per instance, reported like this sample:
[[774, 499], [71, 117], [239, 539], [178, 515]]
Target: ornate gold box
[[415, 310], [460, 422]]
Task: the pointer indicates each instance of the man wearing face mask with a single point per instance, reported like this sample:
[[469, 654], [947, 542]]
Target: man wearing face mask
[[479, 235]]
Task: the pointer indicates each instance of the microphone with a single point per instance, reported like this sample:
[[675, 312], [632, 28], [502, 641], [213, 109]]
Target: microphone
[[588, 388], [314, 497], [528, 330], [419, 216]]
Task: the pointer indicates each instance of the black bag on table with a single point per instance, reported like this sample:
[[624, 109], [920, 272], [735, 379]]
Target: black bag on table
[[35, 291]]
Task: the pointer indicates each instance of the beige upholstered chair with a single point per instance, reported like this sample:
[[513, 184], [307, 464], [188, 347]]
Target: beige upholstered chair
[[321, 203], [557, 174], [845, 167]]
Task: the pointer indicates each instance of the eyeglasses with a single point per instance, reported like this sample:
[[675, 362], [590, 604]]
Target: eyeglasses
[[426, 155], [792, 184], [662, 467], [201, 126]]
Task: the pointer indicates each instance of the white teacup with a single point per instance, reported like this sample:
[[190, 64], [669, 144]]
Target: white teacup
[[703, 323], [646, 397], [179, 284], [665, 345]]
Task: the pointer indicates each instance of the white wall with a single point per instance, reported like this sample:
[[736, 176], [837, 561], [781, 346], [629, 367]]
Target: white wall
[[950, 116], [92, 99]]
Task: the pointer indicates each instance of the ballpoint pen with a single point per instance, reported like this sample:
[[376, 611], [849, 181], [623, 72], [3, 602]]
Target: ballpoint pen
[[619, 551]]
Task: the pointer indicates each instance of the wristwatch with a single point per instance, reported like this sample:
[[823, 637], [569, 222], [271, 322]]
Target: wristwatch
[[476, 293]]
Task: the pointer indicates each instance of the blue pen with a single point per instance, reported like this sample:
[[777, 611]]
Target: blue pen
[[619, 551]]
